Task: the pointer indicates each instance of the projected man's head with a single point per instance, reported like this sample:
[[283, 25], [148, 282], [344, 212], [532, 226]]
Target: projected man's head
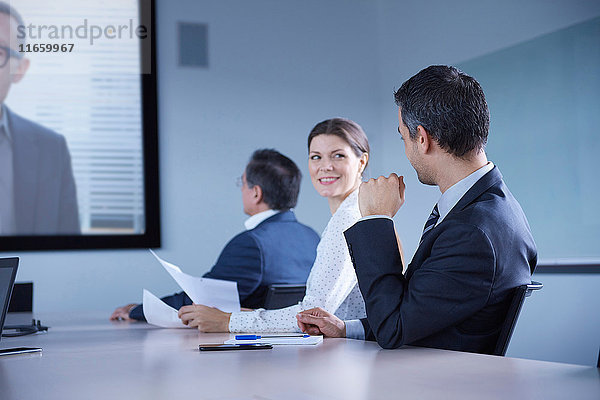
[[12, 63]]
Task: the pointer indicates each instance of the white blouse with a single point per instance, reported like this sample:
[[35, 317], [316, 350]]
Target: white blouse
[[331, 285]]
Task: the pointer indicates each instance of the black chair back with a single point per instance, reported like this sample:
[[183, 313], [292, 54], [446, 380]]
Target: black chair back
[[280, 295], [512, 315], [22, 297]]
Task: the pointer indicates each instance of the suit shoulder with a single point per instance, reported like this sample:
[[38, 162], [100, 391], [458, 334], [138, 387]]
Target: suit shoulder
[[243, 244], [308, 230], [26, 127], [245, 238], [288, 225], [497, 214], [497, 205]]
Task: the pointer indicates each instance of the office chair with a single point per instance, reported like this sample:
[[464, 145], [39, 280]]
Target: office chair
[[514, 310], [22, 297], [280, 295]]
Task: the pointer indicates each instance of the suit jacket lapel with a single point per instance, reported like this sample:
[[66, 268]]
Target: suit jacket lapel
[[490, 179], [25, 166]]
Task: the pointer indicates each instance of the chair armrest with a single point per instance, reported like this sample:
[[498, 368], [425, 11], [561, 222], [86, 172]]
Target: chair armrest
[[533, 286]]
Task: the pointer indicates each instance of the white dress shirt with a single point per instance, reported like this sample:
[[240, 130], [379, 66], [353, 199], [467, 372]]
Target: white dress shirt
[[354, 328], [256, 219], [331, 285]]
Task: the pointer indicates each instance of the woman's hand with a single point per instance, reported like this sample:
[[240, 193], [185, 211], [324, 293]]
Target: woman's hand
[[206, 319]]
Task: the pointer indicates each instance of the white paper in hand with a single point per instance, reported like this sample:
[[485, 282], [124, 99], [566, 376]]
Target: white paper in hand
[[209, 292], [160, 314]]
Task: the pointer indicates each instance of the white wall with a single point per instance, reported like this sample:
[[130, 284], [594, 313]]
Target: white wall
[[277, 68], [415, 34]]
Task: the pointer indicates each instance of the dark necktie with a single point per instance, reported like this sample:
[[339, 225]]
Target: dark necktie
[[431, 221]]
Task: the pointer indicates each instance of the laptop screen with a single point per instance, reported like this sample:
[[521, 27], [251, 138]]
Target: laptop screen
[[8, 272]]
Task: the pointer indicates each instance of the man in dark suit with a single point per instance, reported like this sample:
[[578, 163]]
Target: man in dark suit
[[37, 188], [275, 248], [476, 246]]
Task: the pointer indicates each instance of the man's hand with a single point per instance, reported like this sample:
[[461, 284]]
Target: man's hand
[[122, 313], [317, 321], [381, 196], [206, 319]]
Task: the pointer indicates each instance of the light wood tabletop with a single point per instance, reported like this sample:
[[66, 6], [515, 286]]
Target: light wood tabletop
[[90, 357]]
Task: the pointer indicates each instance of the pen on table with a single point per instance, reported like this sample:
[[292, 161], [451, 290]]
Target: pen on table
[[255, 337]]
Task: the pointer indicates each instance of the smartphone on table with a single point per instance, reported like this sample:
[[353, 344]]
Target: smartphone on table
[[19, 350], [224, 347]]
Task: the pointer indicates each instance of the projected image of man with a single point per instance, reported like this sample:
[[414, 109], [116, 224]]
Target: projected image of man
[[37, 188]]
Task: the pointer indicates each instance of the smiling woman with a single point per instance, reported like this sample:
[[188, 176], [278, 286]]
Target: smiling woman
[[338, 153]]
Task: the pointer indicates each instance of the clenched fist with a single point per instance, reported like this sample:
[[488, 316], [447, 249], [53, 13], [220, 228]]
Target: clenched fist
[[381, 196]]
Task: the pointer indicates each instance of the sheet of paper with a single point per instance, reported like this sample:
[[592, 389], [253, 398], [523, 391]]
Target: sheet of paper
[[160, 314], [311, 340], [209, 292]]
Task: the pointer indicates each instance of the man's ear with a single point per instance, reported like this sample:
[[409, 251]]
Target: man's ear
[[19, 72], [258, 194], [424, 140]]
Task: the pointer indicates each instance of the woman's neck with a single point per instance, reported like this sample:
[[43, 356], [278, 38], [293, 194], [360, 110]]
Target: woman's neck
[[334, 202]]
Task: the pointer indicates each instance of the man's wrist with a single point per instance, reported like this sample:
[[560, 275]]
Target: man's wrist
[[354, 329], [374, 216], [130, 307]]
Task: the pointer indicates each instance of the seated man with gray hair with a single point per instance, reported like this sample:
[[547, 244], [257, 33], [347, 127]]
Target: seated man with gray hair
[[274, 249]]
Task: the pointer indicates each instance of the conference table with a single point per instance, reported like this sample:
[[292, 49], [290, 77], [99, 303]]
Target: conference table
[[89, 357]]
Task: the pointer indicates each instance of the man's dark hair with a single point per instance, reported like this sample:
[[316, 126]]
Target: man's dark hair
[[7, 9], [449, 104], [278, 177]]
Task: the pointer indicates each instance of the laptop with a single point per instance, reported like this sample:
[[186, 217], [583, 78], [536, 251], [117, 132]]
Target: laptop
[[8, 272]]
